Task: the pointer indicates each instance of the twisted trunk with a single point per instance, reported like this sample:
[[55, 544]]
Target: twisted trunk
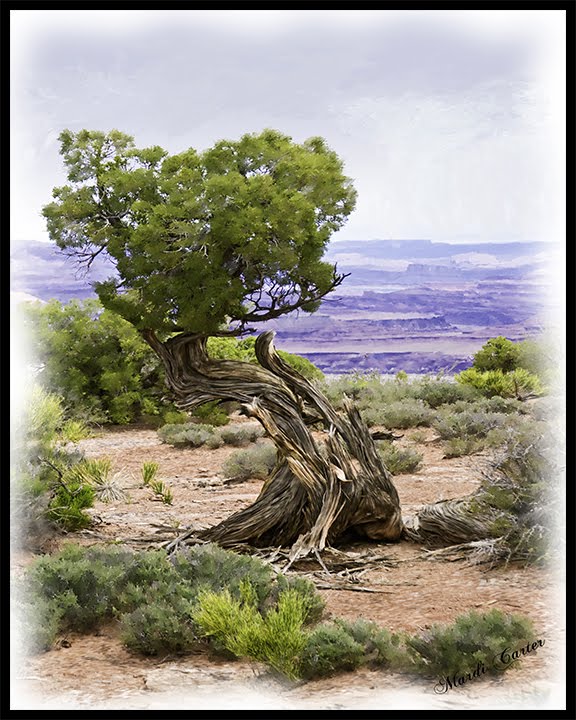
[[316, 492]]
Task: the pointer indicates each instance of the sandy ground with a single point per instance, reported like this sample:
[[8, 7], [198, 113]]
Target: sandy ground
[[409, 591]]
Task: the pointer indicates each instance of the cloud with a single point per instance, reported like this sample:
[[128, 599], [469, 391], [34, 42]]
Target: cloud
[[435, 115]]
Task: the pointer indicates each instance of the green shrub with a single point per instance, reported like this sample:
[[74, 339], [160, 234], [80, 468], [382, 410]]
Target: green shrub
[[302, 365], [49, 480], [445, 651], [497, 354], [467, 424], [494, 404], [381, 647], [276, 638], [70, 498], [214, 441], [195, 435], [216, 569], [163, 624], [191, 434], [515, 384], [256, 462], [343, 645], [436, 392], [457, 447], [519, 429], [330, 649], [399, 415], [243, 434], [41, 623], [83, 584], [315, 604], [399, 460], [212, 413], [119, 383]]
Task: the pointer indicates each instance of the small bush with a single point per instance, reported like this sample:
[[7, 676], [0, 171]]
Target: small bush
[[257, 462], [418, 436], [185, 434], [381, 647], [473, 638], [495, 404], [330, 649], [467, 423], [400, 460], [518, 383], [457, 447], [214, 441], [68, 504], [243, 434], [212, 413], [41, 623], [518, 430], [196, 435], [82, 584], [437, 392], [399, 415], [276, 638], [163, 624]]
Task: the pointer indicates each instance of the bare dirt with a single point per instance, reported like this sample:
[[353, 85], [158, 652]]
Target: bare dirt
[[411, 590]]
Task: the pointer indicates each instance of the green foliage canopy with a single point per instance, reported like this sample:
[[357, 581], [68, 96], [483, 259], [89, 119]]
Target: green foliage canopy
[[498, 353], [234, 234]]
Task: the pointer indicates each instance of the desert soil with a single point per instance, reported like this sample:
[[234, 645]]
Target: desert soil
[[410, 589]]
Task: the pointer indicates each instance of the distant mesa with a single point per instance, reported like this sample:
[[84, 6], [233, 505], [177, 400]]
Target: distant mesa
[[412, 305]]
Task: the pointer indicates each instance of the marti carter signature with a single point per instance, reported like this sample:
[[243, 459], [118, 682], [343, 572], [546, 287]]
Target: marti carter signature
[[500, 661]]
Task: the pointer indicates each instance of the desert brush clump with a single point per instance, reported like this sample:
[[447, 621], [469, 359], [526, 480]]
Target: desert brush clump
[[399, 460], [518, 383], [522, 488], [276, 637], [467, 423], [400, 414], [255, 462], [457, 447], [472, 639], [341, 646], [197, 434]]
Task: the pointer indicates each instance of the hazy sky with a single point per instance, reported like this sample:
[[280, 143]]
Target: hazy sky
[[451, 123]]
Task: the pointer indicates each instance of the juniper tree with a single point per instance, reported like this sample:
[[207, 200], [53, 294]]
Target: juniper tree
[[210, 244]]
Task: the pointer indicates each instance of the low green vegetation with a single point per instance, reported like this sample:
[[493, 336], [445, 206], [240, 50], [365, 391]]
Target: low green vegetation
[[507, 369], [256, 462], [399, 460], [195, 435], [123, 382], [50, 481], [206, 598], [473, 639]]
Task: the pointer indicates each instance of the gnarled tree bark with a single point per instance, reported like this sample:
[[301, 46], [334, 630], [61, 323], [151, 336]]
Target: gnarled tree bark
[[317, 491]]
